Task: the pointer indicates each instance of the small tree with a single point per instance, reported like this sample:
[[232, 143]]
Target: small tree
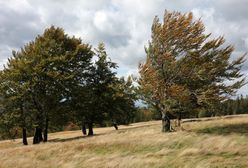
[[185, 69], [121, 107]]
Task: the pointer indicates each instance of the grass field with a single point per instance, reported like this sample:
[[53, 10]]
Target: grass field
[[222, 142]]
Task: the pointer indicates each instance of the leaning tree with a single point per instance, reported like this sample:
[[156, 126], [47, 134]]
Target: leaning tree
[[186, 69]]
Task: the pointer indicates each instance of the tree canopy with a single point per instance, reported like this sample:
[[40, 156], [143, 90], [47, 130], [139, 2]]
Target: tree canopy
[[53, 80]]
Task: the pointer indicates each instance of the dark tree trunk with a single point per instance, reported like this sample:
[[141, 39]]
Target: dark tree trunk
[[24, 136], [46, 131], [166, 125], [179, 119], [37, 136], [24, 130], [84, 131], [116, 126], [90, 126], [40, 135]]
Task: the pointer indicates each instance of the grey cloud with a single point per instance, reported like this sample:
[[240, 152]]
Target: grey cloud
[[233, 30], [109, 26], [17, 28], [235, 10], [125, 26]]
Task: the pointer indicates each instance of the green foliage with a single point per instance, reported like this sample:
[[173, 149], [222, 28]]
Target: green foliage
[[108, 97], [54, 80], [235, 106], [144, 114]]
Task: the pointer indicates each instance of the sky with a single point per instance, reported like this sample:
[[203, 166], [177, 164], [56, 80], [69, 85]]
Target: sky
[[123, 25]]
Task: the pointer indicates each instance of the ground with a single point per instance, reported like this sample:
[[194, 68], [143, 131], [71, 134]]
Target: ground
[[222, 142]]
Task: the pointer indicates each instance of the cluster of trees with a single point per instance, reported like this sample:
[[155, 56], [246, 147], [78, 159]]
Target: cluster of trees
[[56, 79], [186, 70]]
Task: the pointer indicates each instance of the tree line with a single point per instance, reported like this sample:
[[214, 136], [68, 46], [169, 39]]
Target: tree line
[[235, 106], [231, 106]]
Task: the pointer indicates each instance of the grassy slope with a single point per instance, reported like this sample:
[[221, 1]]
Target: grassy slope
[[216, 143]]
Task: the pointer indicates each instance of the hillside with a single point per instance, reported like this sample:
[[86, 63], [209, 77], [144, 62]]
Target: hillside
[[222, 142]]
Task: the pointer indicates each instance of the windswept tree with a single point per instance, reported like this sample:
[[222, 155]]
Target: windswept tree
[[185, 68]]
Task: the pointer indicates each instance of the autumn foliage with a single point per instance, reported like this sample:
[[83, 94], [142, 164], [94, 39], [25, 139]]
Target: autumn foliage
[[186, 69]]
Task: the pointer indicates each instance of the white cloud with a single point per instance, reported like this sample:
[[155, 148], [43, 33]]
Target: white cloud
[[100, 20]]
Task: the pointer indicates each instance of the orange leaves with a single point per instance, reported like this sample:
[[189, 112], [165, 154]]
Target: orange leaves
[[183, 63], [179, 93]]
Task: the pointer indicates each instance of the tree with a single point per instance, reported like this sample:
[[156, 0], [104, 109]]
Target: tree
[[121, 106], [102, 97], [15, 97], [186, 69], [100, 90], [56, 64], [46, 71]]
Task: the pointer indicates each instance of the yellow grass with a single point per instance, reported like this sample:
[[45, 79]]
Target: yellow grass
[[222, 142]]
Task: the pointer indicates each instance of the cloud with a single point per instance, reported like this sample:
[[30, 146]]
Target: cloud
[[17, 27], [232, 30], [109, 28], [123, 25]]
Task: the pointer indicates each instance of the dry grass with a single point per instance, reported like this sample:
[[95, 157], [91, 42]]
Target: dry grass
[[222, 142]]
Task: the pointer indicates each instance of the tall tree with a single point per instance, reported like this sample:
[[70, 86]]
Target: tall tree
[[64, 62], [185, 69], [49, 68], [105, 97], [102, 78], [15, 95]]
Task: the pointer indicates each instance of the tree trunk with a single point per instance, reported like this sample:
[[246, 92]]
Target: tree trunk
[[46, 131], [37, 136], [179, 120], [90, 126], [24, 130], [40, 135], [166, 125], [84, 131], [24, 136], [116, 126]]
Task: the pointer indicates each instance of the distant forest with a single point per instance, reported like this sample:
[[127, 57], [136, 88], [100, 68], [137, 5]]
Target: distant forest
[[235, 106]]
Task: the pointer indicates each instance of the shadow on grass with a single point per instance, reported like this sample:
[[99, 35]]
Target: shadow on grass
[[226, 130], [71, 139], [121, 130]]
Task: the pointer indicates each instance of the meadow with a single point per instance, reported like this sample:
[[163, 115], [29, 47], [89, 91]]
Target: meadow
[[206, 143]]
